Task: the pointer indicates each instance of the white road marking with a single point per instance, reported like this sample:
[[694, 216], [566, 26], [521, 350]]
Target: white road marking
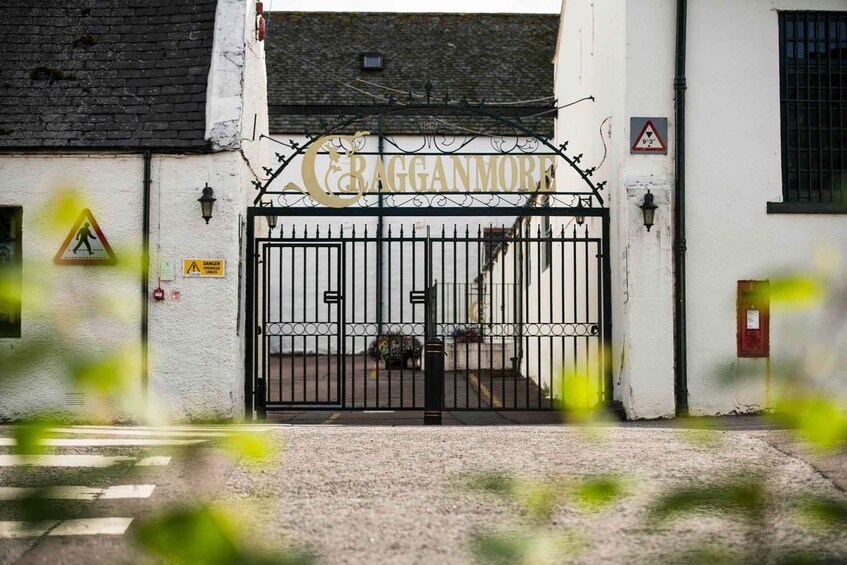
[[10, 530], [105, 442], [127, 491], [77, 492], [91, 527], [62, 460], [137, 432], [155, 461]]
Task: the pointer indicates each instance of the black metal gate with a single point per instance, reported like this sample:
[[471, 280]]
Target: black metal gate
[[497, 271], [342, 314]]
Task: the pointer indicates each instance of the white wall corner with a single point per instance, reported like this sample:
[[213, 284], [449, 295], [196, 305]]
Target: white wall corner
[[648, 313], [225, 90]]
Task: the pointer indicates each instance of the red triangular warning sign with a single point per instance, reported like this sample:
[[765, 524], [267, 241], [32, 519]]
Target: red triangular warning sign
[[649, 140], [85, 244]]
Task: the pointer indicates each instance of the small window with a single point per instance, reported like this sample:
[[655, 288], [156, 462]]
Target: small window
[[372, 61], [10, 271]]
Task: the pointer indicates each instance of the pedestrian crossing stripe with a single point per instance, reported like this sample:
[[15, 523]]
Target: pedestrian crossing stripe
[[85, 244]]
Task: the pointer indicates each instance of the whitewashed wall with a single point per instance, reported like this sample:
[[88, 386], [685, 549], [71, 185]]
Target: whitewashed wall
[[196, 343], [734, 169], [623, 54]]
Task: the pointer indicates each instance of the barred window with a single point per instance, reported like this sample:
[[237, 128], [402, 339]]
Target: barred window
[[813, 96], [10, 272]]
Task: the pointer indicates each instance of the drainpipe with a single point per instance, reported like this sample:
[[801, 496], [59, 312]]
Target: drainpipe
[[680, 338], [145, 275]]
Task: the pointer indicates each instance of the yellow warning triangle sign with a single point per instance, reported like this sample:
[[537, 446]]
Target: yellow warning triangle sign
[[85, 244]]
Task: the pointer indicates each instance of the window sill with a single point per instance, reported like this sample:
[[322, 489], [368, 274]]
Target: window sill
[[807, 207]]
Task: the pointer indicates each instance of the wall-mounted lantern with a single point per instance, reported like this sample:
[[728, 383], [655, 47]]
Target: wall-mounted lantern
[[648, 208], [207, 202], [271, 221], [580, 214]]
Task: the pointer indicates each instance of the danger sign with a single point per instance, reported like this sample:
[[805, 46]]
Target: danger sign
[[195, 268], [85, 244], [648, 135]]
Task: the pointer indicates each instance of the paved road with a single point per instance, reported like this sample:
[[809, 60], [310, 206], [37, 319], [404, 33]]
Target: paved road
[[392, 494]]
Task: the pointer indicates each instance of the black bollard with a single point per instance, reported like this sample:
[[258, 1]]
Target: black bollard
[[433, 382]]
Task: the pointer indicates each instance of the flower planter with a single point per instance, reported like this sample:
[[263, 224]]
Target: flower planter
[[479, 356]]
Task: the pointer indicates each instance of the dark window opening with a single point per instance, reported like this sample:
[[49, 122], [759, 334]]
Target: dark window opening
[[372, 61], [813, 100], [493, 238], [10, 271]]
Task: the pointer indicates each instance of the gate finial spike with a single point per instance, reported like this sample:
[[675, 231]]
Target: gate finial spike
[[318, 230], [401, 230], [305, 231], [366, 231], [443, 232], [354, 231], [329, 231], [455, 233], [389, 230], [467, 230]]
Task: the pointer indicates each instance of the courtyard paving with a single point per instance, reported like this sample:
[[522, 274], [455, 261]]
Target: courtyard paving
[[400, 494]]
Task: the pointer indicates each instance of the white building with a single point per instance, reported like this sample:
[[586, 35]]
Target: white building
[[764, 179], [135, 108]]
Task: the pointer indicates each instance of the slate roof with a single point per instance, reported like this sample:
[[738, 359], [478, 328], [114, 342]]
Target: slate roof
[[105, 73], [495, 57]]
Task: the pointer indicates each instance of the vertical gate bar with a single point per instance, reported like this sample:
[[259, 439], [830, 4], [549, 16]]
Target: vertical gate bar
[[278, 279], [491, 319], [341, 323], [525, 271], [414, 307], [455, 311], [390, 296], [538, 315], [292, 317], [601, 353], [305, 299], [515, 315], [808, 111], [477, 330], [365, 290], [343, 328], [267, 255], [402, 307], [487, 323], [503, 396], [830, 108], [784, 104], [798, 74], [585, 290], [315, 316], [329, 355], [564, 362], [818, 16], [575, 291], [548, 251], [607, 308]]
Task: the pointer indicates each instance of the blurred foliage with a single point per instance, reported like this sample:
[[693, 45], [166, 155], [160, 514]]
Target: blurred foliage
[[826, 511], [208, 536], [524, 547], [740, 495], [537, 500]]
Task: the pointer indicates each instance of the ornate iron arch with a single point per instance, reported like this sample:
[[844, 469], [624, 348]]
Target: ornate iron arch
[[499, 122]]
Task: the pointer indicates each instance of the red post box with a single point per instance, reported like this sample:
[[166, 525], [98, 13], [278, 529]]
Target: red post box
[[753, 315]]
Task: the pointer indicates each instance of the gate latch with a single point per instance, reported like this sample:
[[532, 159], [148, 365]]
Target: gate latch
[[417, 296], [332, 297]]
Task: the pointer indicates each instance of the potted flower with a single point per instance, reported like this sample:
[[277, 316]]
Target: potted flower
[[467, 334], [395, 350]]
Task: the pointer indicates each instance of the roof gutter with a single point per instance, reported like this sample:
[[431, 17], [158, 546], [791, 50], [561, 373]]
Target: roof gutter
[[680, 325]]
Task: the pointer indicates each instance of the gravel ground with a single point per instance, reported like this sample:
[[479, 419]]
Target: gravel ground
[[393, 494]]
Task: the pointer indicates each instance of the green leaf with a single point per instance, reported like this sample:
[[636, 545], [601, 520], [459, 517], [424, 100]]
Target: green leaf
[[599, 491], [831, 512], [29, 437], [740, 496]]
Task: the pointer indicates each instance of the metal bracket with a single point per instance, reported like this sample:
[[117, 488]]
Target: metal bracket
[[332, 297], [417, 296]]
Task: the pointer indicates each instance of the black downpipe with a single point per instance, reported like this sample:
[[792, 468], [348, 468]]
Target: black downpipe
[[680, 337], [145, 276]]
